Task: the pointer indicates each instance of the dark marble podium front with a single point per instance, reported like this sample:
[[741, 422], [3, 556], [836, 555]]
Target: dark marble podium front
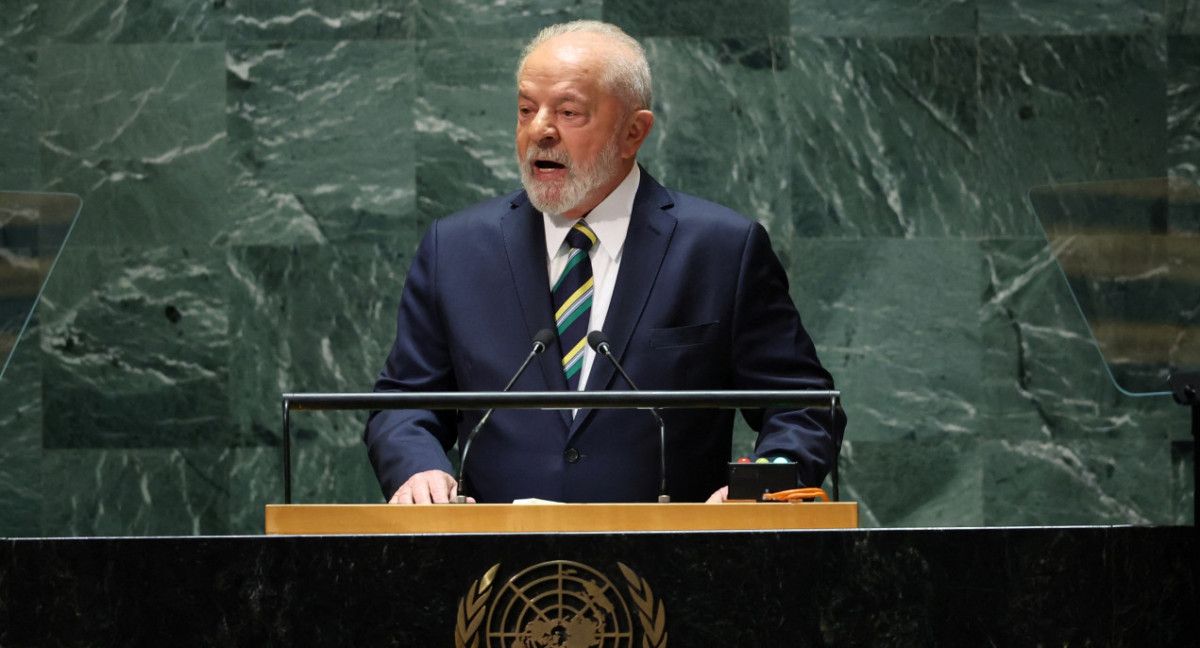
[[1092, 586]]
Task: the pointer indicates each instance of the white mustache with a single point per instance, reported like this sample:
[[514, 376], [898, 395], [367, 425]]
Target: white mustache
[[551, 155]]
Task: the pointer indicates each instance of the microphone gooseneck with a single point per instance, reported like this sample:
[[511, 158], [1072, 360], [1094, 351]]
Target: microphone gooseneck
[[541, 340], [599, 343]]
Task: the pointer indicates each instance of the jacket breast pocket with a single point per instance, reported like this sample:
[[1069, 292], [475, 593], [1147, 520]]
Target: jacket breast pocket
[[682, 336]]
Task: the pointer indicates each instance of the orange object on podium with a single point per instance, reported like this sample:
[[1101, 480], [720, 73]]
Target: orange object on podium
[[356, 519]]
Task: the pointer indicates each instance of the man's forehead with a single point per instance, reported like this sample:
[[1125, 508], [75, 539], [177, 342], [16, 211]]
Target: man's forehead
[[581, 55], [560, 79]]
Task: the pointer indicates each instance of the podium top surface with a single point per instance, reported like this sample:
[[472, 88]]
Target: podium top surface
[[357, 519]]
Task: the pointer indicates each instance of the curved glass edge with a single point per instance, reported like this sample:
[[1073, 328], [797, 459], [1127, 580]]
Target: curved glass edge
[[1129, 252], [34, 228]]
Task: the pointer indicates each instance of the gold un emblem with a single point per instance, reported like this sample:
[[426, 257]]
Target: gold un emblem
[[559, 603]]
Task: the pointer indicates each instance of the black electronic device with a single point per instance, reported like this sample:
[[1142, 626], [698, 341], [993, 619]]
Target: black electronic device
[[750, 481]]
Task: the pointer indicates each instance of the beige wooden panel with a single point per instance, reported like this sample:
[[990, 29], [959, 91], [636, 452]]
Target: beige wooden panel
[[331, 519]]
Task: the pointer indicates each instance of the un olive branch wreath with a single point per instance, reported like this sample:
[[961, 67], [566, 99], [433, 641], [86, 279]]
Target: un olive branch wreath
[[471, 609], [653, 618]]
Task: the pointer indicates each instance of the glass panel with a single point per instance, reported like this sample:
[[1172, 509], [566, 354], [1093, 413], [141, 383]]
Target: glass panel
[[33, 229], [1130, 252]]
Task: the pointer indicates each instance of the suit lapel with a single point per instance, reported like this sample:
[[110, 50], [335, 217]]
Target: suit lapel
[[646, 243], [525, 247]]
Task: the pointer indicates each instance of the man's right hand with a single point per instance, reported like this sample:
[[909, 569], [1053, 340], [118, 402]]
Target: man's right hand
[[429, 487]]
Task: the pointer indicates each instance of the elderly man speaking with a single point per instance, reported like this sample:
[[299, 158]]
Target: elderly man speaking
[[689, 295]]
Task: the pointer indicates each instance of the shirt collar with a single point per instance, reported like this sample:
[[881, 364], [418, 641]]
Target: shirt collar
[[609, 220]]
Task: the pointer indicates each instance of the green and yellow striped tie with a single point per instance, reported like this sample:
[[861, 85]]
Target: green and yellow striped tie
[[573, 301]]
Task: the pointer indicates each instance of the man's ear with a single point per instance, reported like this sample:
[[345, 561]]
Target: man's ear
[[637, 128]]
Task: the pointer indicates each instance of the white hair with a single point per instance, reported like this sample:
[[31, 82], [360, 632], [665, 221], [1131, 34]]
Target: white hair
[[628, 77]]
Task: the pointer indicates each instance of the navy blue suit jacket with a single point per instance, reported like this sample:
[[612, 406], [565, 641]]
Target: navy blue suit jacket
[[701, 302]]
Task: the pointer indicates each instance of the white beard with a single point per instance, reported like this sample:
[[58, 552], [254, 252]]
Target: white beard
[[580, 180]]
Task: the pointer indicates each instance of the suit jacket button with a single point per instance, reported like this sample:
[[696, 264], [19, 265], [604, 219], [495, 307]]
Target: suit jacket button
[[571, 455]]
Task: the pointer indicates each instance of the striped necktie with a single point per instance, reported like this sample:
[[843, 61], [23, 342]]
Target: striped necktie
[[573, 301]]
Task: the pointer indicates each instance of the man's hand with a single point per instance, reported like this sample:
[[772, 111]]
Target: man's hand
[[721, 495], [429, 487]]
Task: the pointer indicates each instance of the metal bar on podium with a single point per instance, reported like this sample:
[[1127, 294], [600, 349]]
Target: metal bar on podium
[[551, 400]]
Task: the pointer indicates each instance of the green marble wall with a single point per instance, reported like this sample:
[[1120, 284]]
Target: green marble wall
[[256, 174]]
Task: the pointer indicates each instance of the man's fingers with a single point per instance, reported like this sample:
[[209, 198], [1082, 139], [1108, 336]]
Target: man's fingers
[[438, 490], [402, 496], [430, 487], [420, 491], [721, 495]]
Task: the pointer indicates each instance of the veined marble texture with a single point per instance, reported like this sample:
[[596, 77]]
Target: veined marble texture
[[1069, 17], [1183, 109], [139, 132], [18, 108], [321, 141], [1065, 110], [1183, 16], [719, 131], [21, 451], [885, 137], [256, 174], [704, 18], [136, 349], [464, 119], [308, 319]]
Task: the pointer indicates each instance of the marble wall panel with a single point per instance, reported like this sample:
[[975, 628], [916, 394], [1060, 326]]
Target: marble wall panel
[[21, 444], [1183, 482], [1183, 16], [1066, 109], [1069, 16], [899, 332], [915, 482], [718, 131], [18, 116], [135, 492], [139, 131], [884, 137], [313, 20], [309, 319], [489, 19], [1099, 481], [135, 349], [131, 21], [18, 23], [872, 18], [1043, 376], [320, 474], [255, 480], [321, 141], [1183, 121], [704, 18], [465, 118]]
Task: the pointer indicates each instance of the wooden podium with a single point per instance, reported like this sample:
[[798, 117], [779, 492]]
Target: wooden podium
[[366, 519]]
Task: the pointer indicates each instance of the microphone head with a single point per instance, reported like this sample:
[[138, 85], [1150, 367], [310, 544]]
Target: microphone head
[[596, 339], [542, 339]]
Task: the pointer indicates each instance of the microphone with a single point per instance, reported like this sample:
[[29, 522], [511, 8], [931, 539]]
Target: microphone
[[541, 340], [599, 343]]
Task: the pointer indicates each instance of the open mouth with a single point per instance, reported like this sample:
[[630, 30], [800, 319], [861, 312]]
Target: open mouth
[[547, 165]]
